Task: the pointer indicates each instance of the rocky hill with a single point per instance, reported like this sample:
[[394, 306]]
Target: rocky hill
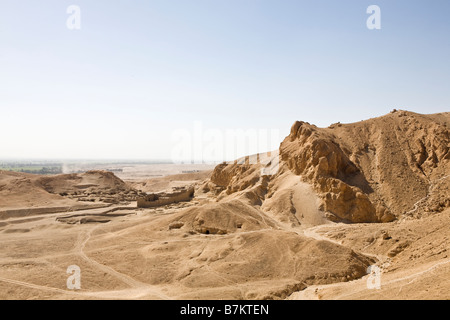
[[376, 170], [22, 190]]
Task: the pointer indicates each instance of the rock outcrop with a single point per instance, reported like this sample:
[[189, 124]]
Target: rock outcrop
[[371, 171], [319, 159]]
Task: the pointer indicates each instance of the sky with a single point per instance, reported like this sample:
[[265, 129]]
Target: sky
[[165, 79]]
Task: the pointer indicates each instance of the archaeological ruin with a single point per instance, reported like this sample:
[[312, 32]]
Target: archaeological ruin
[[179, 194]]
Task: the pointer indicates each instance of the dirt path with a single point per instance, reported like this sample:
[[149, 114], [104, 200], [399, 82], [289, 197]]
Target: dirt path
[[137, 286], [413, 276], [383, 261], [416, 205], [351, 288], [137, 289], [132, 293]]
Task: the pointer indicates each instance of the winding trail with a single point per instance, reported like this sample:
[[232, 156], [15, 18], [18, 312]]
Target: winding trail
[[382, 260], [416, 205], [358, 285], [137, 289], [137, 286], [132, 293]]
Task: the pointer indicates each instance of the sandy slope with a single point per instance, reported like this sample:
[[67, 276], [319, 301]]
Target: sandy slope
[[415, 255]]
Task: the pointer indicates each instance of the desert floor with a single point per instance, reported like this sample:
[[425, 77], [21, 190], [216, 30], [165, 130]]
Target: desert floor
[[128, 253]]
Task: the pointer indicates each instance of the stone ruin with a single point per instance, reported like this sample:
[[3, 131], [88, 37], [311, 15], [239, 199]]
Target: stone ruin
[[179, 194]]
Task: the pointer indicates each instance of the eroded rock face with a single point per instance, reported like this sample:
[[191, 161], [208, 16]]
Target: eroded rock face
[[370, 171], [403, 157], [320, 160], [235, 177], [312, 153]]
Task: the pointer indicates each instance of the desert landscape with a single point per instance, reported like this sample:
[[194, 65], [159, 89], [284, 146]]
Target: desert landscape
[[338, 202]]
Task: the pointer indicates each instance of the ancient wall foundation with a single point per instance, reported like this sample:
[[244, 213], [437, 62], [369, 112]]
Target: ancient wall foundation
[[161, 199]]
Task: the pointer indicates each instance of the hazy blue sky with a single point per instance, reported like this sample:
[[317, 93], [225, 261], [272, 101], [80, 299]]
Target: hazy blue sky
[[139, 70]]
